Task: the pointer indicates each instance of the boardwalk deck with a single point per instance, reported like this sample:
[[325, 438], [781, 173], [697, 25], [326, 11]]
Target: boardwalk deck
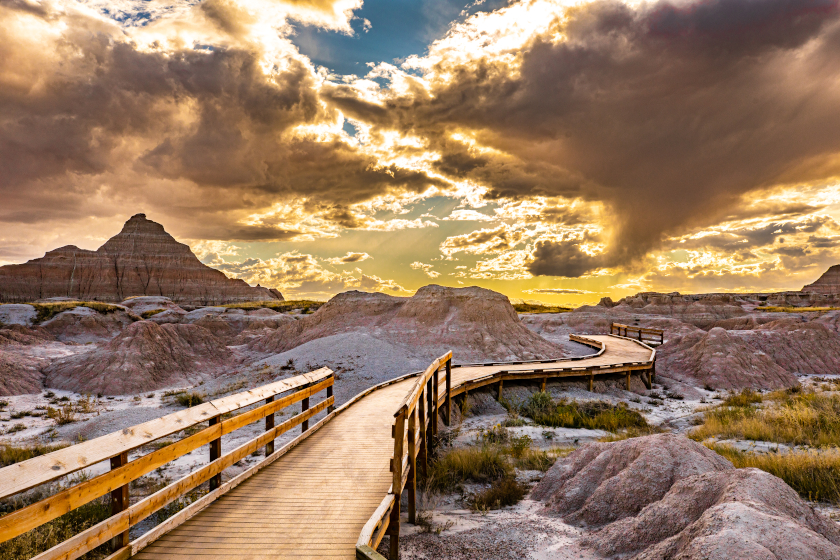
[[314, 501]]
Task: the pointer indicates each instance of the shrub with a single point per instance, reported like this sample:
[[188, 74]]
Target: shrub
[[63, 415], [519, 445], [189, 399], [503, 492], [535, 460]]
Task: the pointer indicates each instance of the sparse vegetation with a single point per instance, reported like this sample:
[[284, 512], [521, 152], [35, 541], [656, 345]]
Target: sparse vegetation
[[189, 399], [503, 492], [9, 454], [151, 313], [539, 308], [792, 417], [791, 309], [62, 415], [812, 473], [594, 415], [474, 464], [47, 311], [305, 305]]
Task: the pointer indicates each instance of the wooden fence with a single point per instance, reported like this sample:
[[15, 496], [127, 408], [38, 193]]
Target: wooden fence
[[415, 425], [115, 448], [648, 335]]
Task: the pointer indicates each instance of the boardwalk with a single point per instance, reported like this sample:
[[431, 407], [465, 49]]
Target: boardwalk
[[313, 502]]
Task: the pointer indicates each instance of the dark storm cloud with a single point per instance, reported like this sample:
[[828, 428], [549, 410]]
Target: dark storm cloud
[[669, 114], [563, 258]]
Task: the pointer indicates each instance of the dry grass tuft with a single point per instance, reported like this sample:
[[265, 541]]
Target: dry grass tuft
[[535, 308], [469, 464], [305, 305], [151, 313], [814, 473], [502, 493], [47, 311], [594, 415], [9, 455]]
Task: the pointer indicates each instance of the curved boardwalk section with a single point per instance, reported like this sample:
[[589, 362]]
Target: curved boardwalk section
[[314, 501]]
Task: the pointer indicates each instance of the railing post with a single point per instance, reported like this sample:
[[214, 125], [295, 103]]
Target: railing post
[[394, 522], [215, 453], [329, 394], [119, 501], [269, 424], [421, 417], [448, 391], [412, 467], [435, 394], [304, 406]]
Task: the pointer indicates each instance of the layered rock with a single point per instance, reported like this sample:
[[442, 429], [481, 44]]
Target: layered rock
[[144, 357], [828, 283], [142, 260], [664, 496], [477, 324]]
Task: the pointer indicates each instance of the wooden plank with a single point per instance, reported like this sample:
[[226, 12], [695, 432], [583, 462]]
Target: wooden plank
[[45, 468]]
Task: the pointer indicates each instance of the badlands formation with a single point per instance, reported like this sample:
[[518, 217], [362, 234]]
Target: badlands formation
[[652, 497]]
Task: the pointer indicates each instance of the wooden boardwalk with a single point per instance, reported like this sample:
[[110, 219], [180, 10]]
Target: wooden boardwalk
[[314, 501]]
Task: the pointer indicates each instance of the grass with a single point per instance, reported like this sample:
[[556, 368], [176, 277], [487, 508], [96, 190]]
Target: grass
[[535, 308], [795, 418], [189, 399], [594, 415], [305, 305], [47, 311], [62, 415], [151, 313], [503, 492], [812, 473], [469, 464], [778, 309]]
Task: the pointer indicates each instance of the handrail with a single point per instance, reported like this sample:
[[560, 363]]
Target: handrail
[[657, 335], [30, 473]]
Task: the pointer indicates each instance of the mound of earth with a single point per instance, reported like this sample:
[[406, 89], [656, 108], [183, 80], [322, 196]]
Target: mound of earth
[[143, 304], [603, 482], [828, 283], [145, 356], [701, 310], [723, 359], [19, 374], [235, 326], [17, 314], [477, 324], [142, 260], [15, 335], [664, 497], [83, 325]]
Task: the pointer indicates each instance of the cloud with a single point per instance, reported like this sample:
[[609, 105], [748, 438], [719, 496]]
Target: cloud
[[670, 115], [349, 258], [557, 291], [427, 268], [483, 241]]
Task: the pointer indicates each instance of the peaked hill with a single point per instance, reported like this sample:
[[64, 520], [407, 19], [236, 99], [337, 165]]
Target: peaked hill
[[141, 260]]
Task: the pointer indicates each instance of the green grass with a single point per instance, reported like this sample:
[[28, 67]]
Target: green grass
[[535, 308], [469, 464], [791, 417], [813, 473], [47, 311], [305, 305], [594, 415]]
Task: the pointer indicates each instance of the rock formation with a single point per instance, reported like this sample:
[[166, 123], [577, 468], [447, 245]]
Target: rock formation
[[665, 496], [478, 324], [828, 283], [145, 356], [142, 260]]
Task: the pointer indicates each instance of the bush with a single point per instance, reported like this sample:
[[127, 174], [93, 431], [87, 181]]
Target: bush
[[151, 313], [189, 399], [503, 492], [63, 415]]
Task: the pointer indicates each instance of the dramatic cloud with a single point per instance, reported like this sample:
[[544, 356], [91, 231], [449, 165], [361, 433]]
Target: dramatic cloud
[[483, 241], [427, 268], [350, 258], [556, 291]]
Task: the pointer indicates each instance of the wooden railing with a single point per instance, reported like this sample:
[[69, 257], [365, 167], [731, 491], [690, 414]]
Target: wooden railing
[[415, 426], [116, 447], [639, 333]]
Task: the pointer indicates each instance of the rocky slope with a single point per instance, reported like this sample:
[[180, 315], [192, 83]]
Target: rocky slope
[[664, 496], [145, 356], [141, 260], [477, 324], [828, 283]]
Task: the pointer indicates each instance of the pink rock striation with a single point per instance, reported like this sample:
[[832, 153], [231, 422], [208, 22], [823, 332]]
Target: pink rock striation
[[828, 283], [142, 260]]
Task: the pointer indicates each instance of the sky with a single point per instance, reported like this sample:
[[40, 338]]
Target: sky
[[552, 150]]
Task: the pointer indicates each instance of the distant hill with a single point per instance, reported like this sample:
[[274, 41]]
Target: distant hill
[[828, 283], [141, 260]]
